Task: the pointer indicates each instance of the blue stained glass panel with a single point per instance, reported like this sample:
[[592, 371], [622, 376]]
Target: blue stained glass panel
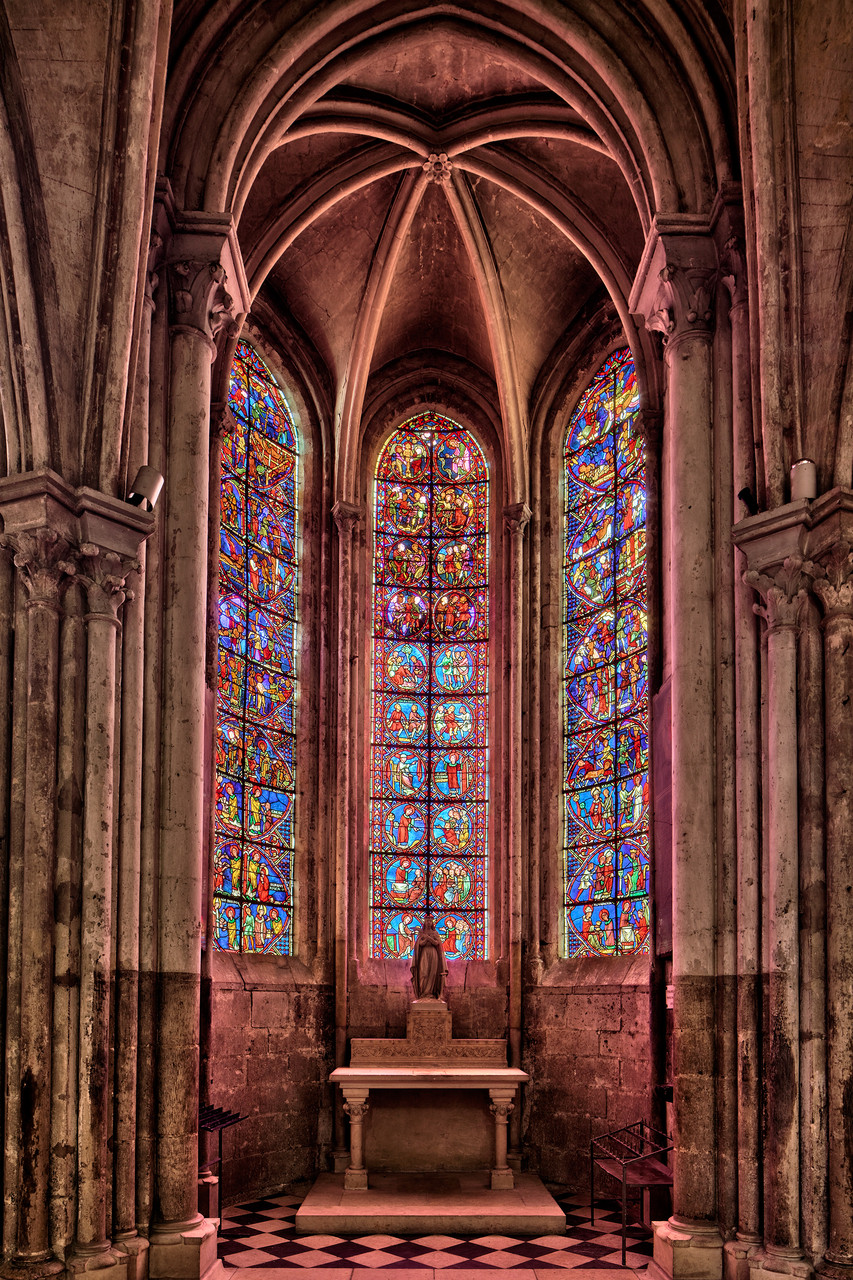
[[255, 788], [605, 682]]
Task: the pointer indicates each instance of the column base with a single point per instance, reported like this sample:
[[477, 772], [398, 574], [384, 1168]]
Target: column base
[[836, 1267], [25, 1269], [355, 1180], [340, 1161], [514, 1159], [184, 1251], [765, 1264], [136, 1249], [502, 1180], [107, 1257], [736, 1256], [686, 1250]]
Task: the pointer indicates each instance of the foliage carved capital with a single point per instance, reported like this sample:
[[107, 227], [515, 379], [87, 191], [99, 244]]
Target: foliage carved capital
[[41, 557], [832, 580], [199, 299], [103, 574], [783, 593]]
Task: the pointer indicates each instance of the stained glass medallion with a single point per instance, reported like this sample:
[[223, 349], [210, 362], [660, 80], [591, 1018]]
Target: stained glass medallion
[[253, 847], [605, 694], [429, 751]]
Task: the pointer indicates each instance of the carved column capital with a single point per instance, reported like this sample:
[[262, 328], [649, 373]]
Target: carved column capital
[[40, 556], [347, 515], [103, 574], [356, 1110], [501, 1111], [674, 292], [783, 593], [516, 517], [198, 298], [832, 580], [684, 306]]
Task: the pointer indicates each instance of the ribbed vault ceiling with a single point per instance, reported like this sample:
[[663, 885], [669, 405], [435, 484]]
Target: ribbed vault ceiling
[[376, 260]]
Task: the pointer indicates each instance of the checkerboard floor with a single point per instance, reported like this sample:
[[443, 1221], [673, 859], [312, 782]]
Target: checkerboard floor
[[261, 1234]]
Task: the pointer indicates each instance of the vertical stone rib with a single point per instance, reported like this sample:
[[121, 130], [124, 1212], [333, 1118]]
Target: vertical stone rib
[[813, 1066], [834, 585], [516, 518], [783, 596], [71, 764]]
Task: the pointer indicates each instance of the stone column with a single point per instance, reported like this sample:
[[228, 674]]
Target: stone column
[[783, 594], [833, 583], [516, 518], [103, 574], [675, 296], [39, 556], [198, 303], [502, 1106], [347, 516], [355, 1106]]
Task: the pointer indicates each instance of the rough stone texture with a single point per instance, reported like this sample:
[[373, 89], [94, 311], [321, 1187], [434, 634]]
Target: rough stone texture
[[587, 1047], [271, 1052]]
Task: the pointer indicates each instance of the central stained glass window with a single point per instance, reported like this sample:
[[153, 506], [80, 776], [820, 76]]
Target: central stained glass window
[[430, 713], [605, 688]]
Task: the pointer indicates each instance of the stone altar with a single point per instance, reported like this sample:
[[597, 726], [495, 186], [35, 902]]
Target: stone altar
[[428, 1059]]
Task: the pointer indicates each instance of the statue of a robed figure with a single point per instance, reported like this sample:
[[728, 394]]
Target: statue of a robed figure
[[429, 966]]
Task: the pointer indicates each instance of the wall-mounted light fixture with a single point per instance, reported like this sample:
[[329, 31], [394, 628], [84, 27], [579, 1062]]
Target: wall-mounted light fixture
[[145, 488]]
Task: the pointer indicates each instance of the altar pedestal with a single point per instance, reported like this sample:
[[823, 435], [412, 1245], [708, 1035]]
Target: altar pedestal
[[420, 1163]]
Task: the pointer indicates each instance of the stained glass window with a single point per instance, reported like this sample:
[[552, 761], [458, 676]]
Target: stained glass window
[[253, 845], [605, 691], [429, 752]]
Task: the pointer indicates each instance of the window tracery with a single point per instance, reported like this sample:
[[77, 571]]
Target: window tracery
[[605, 690], [429, 752], [253, 841]]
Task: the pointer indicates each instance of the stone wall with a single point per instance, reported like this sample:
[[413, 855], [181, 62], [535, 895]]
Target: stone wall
[[587, 1046], [271, 1051]]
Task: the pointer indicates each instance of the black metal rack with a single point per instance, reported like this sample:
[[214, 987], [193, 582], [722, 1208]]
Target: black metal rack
[[634, 1156], [215, 1120]]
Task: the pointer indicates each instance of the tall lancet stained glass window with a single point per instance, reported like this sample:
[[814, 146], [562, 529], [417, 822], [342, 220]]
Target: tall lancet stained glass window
[[253, 845], [429, 754], [605, 692]]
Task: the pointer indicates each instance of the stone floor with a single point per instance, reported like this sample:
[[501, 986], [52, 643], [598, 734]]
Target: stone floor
[[260, 1234]]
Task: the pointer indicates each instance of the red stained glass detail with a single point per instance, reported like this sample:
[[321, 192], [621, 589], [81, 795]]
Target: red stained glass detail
[[429, 757]]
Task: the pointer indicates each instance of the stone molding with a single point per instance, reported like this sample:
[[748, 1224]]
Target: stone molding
[[517, 517], [800, 548], [58, 534], [103, 573], [783, 593], [832, 580], [674, 291], [347, 516], [40, 556]]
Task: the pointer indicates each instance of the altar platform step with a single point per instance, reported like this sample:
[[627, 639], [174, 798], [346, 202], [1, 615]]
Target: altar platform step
[[417, 1204]]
